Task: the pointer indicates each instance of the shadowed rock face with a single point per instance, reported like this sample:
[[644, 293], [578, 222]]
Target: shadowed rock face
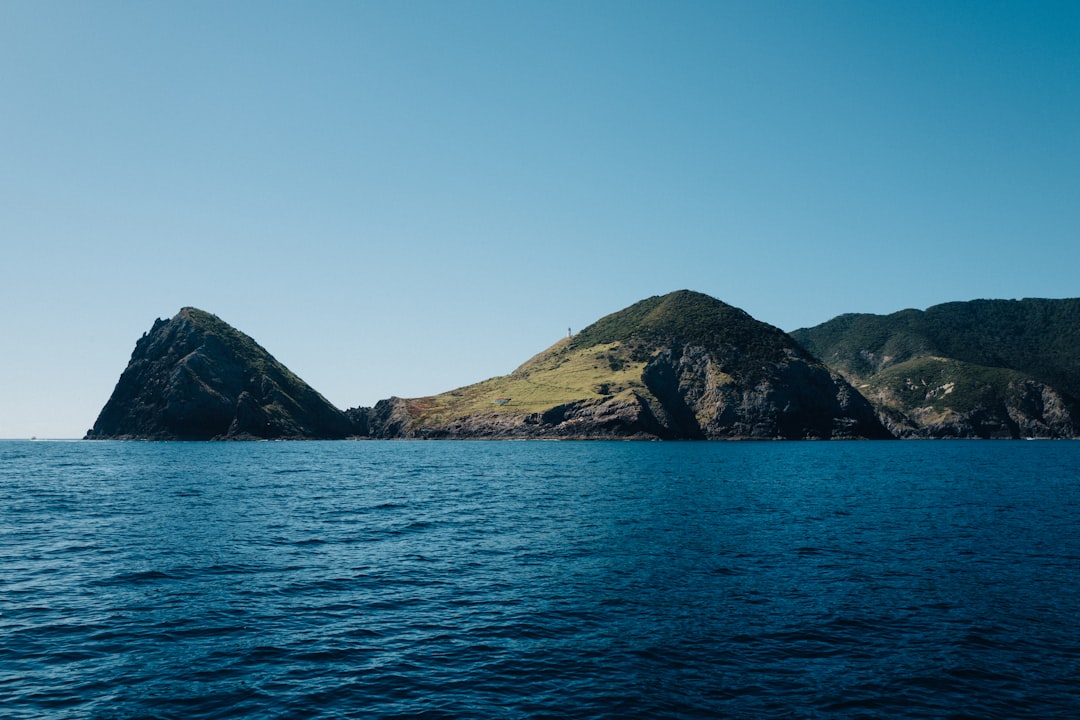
[[194, 377], [1012, 408], [793, 398], [701, 370]]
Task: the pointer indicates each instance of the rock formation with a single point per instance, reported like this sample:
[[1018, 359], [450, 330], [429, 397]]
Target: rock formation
[[196, 378], [680, 366]]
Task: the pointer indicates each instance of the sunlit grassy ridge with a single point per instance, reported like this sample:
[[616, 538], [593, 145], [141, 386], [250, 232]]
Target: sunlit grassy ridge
[[559, 375], [243, 346]]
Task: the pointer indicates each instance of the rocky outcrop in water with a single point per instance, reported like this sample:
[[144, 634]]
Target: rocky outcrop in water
[[194, 377]]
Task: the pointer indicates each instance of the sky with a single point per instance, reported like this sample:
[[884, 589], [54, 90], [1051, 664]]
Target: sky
[[402, 198]]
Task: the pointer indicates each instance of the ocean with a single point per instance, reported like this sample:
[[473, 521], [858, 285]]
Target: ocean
[[919, 579]]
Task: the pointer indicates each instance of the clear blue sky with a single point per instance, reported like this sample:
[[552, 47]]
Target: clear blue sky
[[406, 197]]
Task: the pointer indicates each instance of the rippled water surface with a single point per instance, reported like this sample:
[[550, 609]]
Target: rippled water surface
[[539, 580]]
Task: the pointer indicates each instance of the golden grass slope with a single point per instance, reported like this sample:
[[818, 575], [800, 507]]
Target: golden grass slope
[[559, 375]]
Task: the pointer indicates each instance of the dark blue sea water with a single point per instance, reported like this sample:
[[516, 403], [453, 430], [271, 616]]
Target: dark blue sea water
[[540, 580]]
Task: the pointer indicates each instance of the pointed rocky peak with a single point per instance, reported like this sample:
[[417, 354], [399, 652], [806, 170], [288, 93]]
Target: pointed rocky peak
[[195, 377]]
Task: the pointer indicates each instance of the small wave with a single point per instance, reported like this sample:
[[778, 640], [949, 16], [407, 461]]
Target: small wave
[[136, 578], [726, 571]]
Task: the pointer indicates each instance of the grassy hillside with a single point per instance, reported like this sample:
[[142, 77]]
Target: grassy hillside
[[677, 366], [606, 359], [1040, 338], [985, 368], [561, 374]]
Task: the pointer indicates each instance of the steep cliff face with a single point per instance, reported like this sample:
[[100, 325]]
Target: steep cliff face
[[791, 398], [680, 366], [194, 377], [978, 369]]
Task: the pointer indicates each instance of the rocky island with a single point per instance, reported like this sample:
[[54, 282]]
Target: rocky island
[[681, 366], [195, 377]]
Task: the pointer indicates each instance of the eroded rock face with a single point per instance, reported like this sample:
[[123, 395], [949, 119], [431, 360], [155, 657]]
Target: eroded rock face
[[196, 378], [1028, 409], [397, 418], [1040, 411], [792, 399]]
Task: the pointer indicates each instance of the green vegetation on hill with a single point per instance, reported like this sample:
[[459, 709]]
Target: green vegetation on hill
[[688, 318], [983, 367], [682, 365], [290, 392], [1040, 338], [253, 355], [943, 384], [606, 359], [559, 375], [859, 345]]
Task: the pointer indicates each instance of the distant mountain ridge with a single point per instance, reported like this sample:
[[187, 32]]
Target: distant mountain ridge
[[983, 368]]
